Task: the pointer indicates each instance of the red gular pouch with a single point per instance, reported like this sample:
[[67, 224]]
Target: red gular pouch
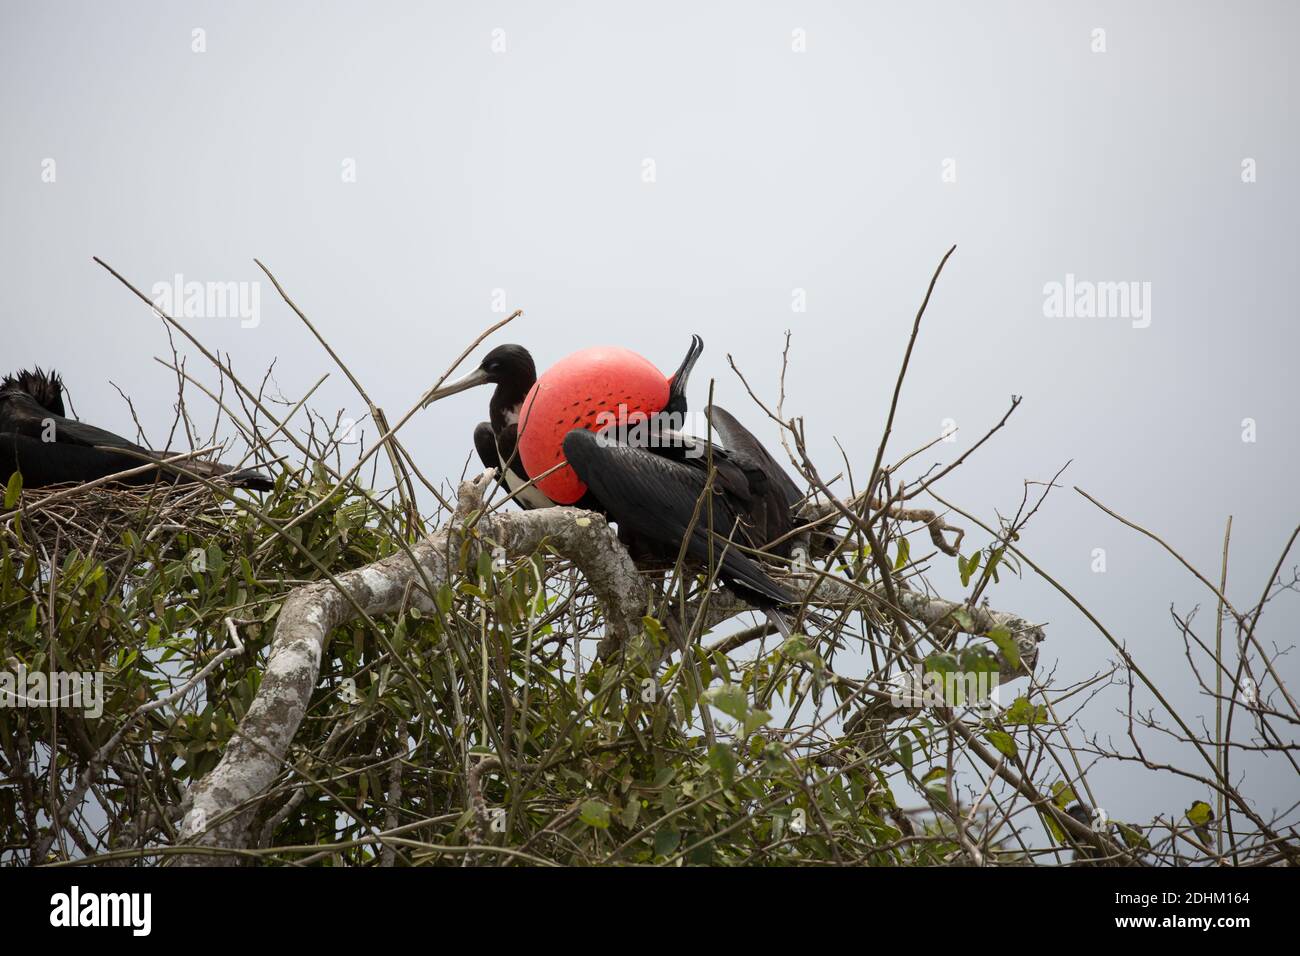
[[594, 389]]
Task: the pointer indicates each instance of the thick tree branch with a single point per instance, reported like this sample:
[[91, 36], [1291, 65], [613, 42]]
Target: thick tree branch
[[221, 803]]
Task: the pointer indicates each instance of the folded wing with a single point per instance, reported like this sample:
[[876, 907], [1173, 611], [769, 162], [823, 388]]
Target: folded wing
[[653, 498]]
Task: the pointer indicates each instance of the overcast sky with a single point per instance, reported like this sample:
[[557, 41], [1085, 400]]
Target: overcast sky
[[633, 173]]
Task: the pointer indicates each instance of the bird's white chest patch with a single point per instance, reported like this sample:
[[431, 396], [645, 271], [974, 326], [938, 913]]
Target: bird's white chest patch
[[530, 496]]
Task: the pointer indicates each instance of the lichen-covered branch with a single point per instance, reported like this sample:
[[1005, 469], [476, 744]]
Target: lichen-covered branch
[[221, 805]]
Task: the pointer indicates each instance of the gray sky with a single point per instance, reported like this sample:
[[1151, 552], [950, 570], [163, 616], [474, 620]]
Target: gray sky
[[523, 170]]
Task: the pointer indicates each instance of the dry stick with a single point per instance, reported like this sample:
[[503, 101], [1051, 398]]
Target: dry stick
[[1268, 664], [252, 397], [902, 373], [248, 393], [405, 490], [207, 353], [280, 426], [404, 419], [1218, 688], [282, 532], [926, 483], [389, 855], [1222, 784], [818, 514], [1241, 664], [877, 553]]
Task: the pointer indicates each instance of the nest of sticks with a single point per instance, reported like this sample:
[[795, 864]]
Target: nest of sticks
[[109, 522]]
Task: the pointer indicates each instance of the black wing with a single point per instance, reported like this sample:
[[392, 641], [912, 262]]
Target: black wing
[[776, 496], [485, 443], [48, 463], [493, 449], [654, 498], [48, 448], [20, 413]]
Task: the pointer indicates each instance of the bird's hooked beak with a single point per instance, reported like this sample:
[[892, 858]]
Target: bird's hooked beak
[[677, 384], [473, 379]]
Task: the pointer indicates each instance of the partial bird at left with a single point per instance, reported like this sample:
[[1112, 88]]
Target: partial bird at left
[[45, 447]]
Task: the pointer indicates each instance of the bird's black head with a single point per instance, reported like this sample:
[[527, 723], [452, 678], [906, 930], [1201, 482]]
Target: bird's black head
[[510, 365], [45, 387]]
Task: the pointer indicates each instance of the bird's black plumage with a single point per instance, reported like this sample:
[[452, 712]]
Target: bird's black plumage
[[650, 491], [772, 497], [1083, 852], [46, 447], [652, 498], [512, 370], [777, 498]]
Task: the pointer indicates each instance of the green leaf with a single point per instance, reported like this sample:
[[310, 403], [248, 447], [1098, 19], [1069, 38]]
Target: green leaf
[[730, 699], [1063, 794], [666, 841], [1200, 813], [443, 598], [723, 760], [904, 754], [1023, 712], [1001, 636], [904, 550], [1002, 741], [655, 630], [631, 810], [1055, 828], [595, 813], [756, 719], [1134, 838], [13, 490], [720, 667], [995, 558]]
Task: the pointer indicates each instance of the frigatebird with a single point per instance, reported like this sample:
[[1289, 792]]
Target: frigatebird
[[576, 416], [41, 443], [510, 368], [603, 374]]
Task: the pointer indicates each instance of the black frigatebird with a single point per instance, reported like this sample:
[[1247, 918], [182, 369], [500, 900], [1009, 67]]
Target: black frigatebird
[[40, 442], [576, 415], [512, 370]]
